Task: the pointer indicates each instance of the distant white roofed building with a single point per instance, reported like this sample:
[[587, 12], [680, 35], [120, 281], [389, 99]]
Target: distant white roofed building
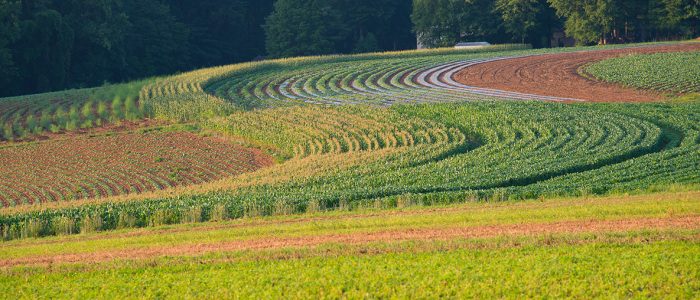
[[471, 45]]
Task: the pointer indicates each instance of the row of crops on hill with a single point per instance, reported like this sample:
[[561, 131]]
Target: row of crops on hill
[[666, 72], [24, 117], [379, 153], [380, 79], [217, 81], [406, 155]]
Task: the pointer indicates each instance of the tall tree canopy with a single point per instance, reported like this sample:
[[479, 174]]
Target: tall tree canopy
[[303, 27], [519, 16], [9, 31], [604, 21], [440, 23], [306, 27], [443, 23], [223, 31], [57, 44]]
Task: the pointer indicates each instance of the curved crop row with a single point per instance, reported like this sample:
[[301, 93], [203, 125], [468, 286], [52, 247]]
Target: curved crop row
[[340, 156], [62, 170], [377, 79], [419, 80], [299, 132], [25, 117], [513, 147]]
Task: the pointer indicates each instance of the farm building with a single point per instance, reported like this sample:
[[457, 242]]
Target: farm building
[[471, 45]]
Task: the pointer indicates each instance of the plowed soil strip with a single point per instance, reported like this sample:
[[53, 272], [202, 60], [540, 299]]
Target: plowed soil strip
[[558, 75], [564, 227]]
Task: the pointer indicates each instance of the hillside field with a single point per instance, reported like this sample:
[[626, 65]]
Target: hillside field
[[502, 172]]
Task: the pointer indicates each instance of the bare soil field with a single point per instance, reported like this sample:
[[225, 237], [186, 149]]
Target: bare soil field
[[559, 75], [96, 166]]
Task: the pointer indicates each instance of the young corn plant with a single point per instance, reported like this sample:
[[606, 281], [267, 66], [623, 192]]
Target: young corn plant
[[131, 109], [102, 113], [87, 115], [60, 118], [73, 118], [117, 110], [30, 124]]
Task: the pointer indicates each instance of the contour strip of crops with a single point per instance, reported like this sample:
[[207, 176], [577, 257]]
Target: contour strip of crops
[[355, 154]]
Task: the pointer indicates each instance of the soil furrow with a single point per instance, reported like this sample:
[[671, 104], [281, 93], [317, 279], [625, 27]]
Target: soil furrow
[[558, 75]]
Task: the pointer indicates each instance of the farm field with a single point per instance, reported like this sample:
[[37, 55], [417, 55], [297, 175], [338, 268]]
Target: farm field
[[661, 72], [498, 172], [31, 117], [560, 75], [456, 250], [108, 165]]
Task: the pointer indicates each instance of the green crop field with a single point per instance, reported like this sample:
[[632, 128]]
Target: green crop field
[[601, 247], [667, 72], [356, 176]]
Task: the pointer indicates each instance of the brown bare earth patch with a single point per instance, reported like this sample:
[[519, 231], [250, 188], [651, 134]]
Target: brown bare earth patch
[[109, 128], [87, 166], [559, 75], [533, 229]]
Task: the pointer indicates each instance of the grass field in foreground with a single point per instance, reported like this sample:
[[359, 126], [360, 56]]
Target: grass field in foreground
[[622, 246]]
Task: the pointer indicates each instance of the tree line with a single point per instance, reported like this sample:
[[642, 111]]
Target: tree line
[[58, 44], [50, 45], [446, 22]]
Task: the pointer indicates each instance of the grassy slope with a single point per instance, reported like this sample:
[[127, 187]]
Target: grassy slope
[[661, 269], [647, 261]]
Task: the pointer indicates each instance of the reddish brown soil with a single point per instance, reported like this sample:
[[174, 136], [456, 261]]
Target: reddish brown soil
[[123, 126], [87, 166], [591, 226], [558, 75]]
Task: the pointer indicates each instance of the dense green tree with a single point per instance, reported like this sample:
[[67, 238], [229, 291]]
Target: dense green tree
[[43, 51], [679, 16], [156, 43], [442, 23], [437, 22], [100, 28], [519, 16], [367, 43], [398, 34], [57, 44], [386, 21], [223, 31], [307, 27], [588, 20], [303, 27], [9, 31], [617, 21], [547, 23]]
